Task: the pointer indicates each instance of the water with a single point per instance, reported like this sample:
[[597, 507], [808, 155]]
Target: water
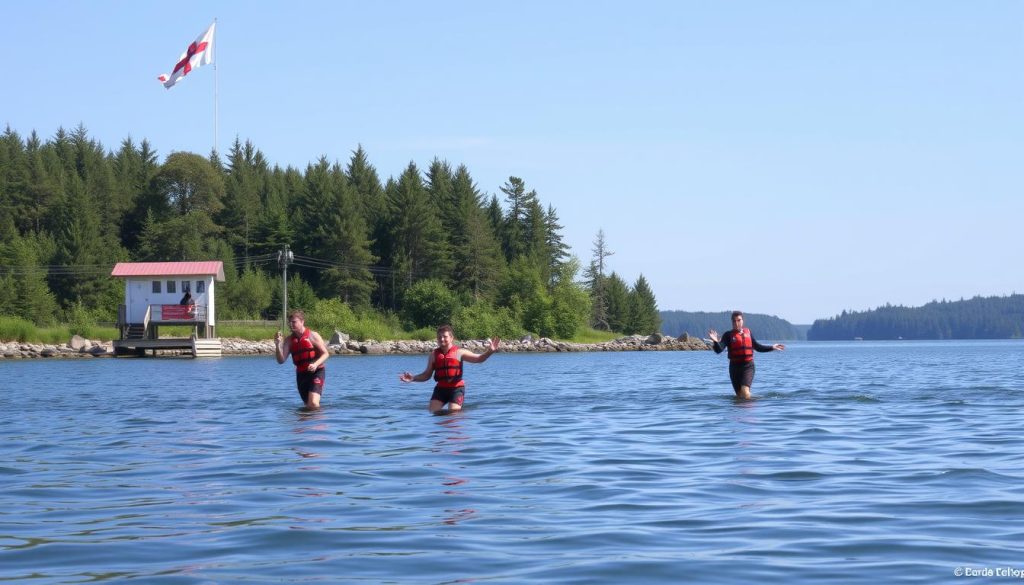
[[858, 463]]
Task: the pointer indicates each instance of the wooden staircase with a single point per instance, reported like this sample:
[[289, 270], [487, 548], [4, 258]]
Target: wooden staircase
[[206, 347], [136, 331]]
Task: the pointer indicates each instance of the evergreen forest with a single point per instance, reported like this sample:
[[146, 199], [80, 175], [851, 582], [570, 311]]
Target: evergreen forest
[[976, 318], [763, 327], [428, 246]]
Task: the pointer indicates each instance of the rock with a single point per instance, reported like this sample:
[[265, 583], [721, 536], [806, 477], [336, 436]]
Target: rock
[[339, 338], [654, 338], [79, 343], [685, 337]]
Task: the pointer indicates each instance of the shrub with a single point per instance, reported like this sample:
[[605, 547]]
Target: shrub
[[428, 303]]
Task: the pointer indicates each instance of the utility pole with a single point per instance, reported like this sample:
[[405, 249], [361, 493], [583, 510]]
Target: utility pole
[[284, 258]]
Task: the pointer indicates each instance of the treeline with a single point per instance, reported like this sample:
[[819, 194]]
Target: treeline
[[422, 248], [764, 327], [977, 318]]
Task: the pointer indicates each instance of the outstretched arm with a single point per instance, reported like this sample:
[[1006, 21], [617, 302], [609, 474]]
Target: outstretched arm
[[763, 347], [479, 358], [420, 377]]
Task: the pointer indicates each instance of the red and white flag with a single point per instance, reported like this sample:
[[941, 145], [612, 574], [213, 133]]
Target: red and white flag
[[197, 54]]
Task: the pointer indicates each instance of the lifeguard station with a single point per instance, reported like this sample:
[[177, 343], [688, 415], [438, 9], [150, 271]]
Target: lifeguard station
[[153, 294]]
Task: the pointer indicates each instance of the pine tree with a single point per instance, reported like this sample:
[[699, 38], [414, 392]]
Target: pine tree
[[347, 245], [479, 262], [419, 246], [617, 296], [644, 317], [596, 282]]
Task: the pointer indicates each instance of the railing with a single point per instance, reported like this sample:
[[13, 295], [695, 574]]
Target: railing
[[164, 313]]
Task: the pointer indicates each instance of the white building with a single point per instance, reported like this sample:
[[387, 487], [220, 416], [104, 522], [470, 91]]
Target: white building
[[153, 296]]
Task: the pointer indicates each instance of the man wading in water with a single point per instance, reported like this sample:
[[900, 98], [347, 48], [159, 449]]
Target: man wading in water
[[445, 363], [308, 353], [741, 345]]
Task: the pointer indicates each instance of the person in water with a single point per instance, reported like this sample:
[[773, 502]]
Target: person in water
[[445, 363], [741, 345], [309, 352]]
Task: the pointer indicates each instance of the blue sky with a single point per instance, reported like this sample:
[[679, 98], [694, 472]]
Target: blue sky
[[792, 157]]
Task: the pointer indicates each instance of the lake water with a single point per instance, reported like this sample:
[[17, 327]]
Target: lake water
[[857, 463]]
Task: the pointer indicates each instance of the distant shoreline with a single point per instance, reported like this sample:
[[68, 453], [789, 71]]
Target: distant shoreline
[[82, 348]]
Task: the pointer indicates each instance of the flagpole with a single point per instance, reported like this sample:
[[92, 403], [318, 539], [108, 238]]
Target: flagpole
[[216, 88]]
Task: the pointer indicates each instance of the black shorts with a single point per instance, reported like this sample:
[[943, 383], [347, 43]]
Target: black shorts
[[449, 395], [310, 382], [741, 374]]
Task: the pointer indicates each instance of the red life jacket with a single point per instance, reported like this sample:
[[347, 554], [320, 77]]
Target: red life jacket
[[448, 368], [303, 351], [741, 347]]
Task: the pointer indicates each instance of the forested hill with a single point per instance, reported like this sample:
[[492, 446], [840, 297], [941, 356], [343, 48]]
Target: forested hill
[[764, 327], [977, 318]]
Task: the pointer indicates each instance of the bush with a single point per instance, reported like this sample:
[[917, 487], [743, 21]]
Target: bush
[[330, 314], [482, 321], [428, 303], [17, 329]]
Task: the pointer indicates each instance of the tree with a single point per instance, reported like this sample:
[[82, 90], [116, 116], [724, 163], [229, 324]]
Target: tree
[[428, 303], [23, 288], [479, 262], [514, 227], [347, 241], [190, 183], [643, 315], [419, 245], [595, 281], [618, 305], [242, 202], [249, 296], [570, 303]]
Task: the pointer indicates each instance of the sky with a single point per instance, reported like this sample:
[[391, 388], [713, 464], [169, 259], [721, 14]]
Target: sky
[[796, 158]]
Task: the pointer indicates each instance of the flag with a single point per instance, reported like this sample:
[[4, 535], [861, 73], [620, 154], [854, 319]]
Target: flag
[[197, 54]]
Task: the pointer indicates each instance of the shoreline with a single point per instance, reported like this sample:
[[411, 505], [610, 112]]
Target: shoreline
[[79, 347]]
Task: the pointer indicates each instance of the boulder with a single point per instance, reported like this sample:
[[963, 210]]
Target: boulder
[[79, 343], [338, 338]]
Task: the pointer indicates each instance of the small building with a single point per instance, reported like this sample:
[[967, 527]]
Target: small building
[[154, 296]]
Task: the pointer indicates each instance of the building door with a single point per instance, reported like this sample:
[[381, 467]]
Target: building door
[[138, 300]]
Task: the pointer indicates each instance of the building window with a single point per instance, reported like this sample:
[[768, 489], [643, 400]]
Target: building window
[[170, 287], [200, 287], [186, 286], [156, 286]]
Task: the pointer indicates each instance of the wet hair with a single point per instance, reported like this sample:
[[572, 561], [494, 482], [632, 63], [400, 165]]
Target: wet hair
[[737, 314], [447, 328], [297, 313]]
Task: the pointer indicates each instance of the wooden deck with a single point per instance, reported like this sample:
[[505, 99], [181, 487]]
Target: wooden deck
[[197, 347]]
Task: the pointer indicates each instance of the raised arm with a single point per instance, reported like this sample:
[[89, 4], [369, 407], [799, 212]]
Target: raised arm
[[716, 341], [281, 353], [479, 358]]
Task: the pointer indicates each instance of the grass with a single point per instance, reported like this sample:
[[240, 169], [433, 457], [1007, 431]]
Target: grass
[[588, 335], [16, 329]]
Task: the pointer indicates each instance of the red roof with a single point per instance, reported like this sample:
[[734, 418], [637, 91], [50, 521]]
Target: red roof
[[213, 268]]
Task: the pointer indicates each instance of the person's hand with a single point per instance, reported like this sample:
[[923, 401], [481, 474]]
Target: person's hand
[[405, 377], [713, 335], [277, 338], [779, 347], [311, 368], [494, 344]]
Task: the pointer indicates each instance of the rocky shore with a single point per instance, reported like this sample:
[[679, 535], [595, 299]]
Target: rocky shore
[[340, 344]]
